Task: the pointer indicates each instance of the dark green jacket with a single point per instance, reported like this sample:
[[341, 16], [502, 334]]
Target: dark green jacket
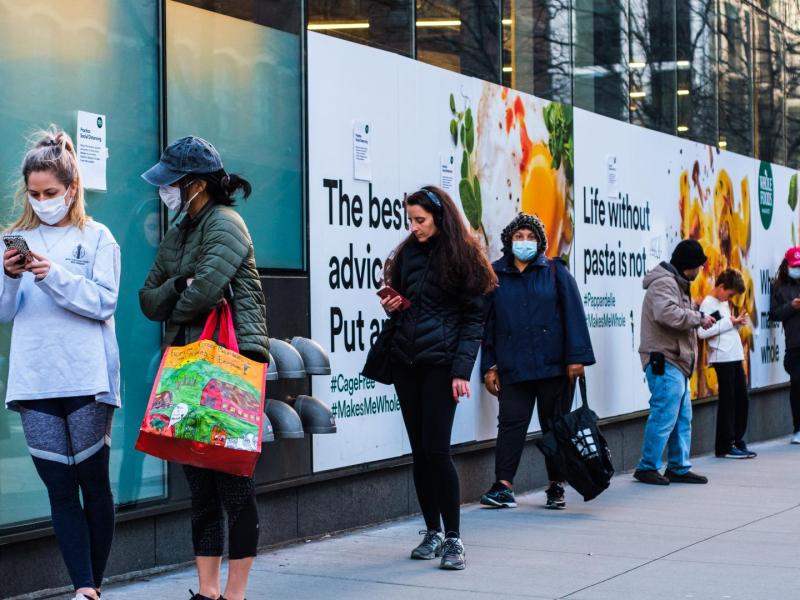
[[214, 248]]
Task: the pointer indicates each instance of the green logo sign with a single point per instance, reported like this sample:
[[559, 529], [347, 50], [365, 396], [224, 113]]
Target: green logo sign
[[99, 122], [766, 193]]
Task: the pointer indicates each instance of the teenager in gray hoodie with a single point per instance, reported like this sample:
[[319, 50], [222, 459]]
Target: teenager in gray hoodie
[[668, 349]]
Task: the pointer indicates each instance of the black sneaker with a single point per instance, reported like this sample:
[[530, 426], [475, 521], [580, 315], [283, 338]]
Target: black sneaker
[[743, 447], [650, 476], [687, 477], [430, 547], [499, 496], [555, 497], [453, 558], [199, 596], [733, 452]]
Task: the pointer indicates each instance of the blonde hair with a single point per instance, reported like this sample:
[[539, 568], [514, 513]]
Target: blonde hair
[[51, 150]]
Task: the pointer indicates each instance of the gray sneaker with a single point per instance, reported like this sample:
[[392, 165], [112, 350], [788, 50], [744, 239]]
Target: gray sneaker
[[453, 558], [431, 546]]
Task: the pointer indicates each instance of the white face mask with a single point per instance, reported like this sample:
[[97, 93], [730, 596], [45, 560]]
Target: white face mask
[[794, 272], [50, 211], [171, 197]]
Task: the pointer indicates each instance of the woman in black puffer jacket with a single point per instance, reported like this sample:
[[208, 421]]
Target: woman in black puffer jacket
[[785, 307], [444, 273]]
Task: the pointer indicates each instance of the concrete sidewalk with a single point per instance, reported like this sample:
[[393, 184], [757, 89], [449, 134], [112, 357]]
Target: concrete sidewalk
[[736, 537]]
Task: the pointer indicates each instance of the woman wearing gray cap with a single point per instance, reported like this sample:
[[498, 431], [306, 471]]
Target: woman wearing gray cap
[[205, 257]]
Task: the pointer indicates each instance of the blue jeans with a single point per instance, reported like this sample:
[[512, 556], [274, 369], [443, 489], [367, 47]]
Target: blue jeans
[[669, 423]]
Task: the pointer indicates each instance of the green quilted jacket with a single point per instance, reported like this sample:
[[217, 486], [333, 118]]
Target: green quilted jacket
[[214, 248]]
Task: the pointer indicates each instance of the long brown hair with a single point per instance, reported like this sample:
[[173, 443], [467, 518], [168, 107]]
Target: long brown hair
[[782, 277], [458, 259], [53, 151]]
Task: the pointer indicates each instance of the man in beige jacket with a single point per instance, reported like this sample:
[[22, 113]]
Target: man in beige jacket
[[668, 349]]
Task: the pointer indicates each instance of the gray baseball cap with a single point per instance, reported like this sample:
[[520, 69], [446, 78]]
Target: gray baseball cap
[[186, 155]]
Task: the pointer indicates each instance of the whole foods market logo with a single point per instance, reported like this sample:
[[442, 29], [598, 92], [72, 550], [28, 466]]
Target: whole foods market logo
[[766, 193]]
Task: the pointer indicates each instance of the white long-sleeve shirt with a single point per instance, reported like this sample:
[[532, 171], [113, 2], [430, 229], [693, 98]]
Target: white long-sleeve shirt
[[724, 343], [63, 342]]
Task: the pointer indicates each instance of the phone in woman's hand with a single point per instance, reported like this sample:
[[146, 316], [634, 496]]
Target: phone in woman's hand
[[20, 245], [389, 292]]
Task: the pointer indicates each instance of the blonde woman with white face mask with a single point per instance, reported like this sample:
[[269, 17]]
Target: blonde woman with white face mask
[[59, 288]]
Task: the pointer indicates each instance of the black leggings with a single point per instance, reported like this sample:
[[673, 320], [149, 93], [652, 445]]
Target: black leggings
[[211, 491], [68, 440], [732, 406], [792, 365], [516, 409], [426, 401]]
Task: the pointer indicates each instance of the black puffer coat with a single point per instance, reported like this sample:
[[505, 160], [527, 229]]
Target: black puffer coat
[[780, 309], [439, 328]]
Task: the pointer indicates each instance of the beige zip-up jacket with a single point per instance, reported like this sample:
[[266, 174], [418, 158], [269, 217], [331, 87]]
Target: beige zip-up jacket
[[669, 319]]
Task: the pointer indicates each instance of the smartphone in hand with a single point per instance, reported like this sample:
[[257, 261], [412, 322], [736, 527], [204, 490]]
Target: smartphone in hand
[[389, 292], [717, 315], [18, 242]]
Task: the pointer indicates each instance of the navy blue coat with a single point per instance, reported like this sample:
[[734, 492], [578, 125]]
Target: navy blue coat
[[535, 324]]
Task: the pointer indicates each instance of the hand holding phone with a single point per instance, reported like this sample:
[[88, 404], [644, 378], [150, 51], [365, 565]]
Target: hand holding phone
[[16, 256], [392, 300], [18, 243]]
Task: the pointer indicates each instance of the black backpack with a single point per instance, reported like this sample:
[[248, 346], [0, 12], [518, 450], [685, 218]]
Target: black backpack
[[575, 443]]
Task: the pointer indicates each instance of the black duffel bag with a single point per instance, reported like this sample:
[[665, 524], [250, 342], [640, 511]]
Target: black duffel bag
[[576, 445]]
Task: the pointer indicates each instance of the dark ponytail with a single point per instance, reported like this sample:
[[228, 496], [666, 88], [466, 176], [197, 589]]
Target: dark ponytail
[[222, 186]]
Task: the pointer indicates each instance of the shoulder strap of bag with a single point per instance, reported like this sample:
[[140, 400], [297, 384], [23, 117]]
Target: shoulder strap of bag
[[582, 386]]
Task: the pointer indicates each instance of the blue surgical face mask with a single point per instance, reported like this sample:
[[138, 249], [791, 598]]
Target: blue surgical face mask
[[794, 272], [524, 250]]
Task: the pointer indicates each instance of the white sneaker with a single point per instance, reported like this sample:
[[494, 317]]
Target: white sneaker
[[795, 438], [81, 597]]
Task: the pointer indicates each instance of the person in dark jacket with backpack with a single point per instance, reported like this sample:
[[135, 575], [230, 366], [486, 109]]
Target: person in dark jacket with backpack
[[536, 343], [207, 256], [785, 307], [443, 272]]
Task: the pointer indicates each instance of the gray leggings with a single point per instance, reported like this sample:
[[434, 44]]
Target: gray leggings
[[66, 430], [68, 439]]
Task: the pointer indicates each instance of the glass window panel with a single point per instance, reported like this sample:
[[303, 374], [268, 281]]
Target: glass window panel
[[697, 69], [283, 15], [460, 35], [769, 93], [239, 86], [517, 32], [736, 77], [600, 47], [793, 14], [93, 42], [793, 99], [651, 68], [537, 48], [385, 24], [775, 8]]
